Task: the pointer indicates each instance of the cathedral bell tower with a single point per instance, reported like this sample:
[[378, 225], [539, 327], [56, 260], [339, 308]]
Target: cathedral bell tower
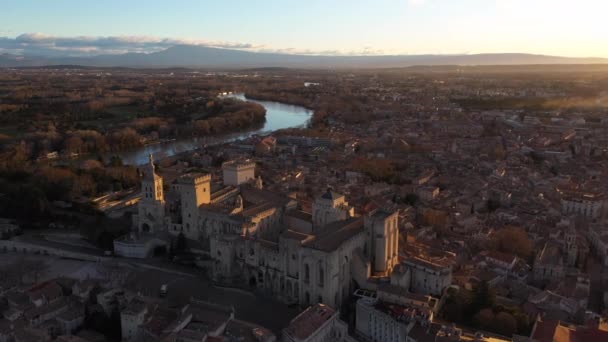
[[151, 207], [571, 246]]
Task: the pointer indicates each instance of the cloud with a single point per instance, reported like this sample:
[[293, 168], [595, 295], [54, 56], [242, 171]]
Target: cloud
[[416, 2], [47, 45], [38, 44], [366, 51]]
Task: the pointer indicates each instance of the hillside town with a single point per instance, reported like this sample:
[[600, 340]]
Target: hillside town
[[414, 206]]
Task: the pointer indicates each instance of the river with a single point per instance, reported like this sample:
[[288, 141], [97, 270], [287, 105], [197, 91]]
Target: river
[[278, 116]]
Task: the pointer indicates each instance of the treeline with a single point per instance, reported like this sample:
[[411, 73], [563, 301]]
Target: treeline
[[97, 112], [27, 192], [479, 309], [331, 101], [380, 170], [39, 144], [221, 116], [229, 117]]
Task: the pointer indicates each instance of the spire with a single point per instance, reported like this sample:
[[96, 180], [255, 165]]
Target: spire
[[149, 172]]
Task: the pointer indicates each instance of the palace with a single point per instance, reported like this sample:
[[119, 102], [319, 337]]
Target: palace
[[264, 239]]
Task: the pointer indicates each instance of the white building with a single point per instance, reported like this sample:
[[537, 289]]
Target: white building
[[112, 299], [585, 203], [330, 207], [598, 238], [549, 263], [318, 323], [237, 173], [427, 277], [71, 320], [381, 321], [131, 318]]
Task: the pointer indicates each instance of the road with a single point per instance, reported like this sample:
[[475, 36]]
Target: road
[[254, 308], [184, 283]]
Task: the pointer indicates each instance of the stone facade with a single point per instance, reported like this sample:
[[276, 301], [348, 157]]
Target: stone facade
[[261, 238], [151, 208], [427, 277], [318, 323]]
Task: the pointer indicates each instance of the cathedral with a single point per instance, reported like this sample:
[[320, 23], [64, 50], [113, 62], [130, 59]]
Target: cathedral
[[265, 240]]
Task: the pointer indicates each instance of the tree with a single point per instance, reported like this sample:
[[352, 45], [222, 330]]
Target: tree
[[91, 164], [523, 321], [201, 127], [554, 170], [505, 324], [493, 204], [181, 244], [411, 199], [379, 170], [456, 305], [483, 296], [537, 157], [105, 240], [116, 161], [33, 268], [484, 319], [513, 240], [73, 144]]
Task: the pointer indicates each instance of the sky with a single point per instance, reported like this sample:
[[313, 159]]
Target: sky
[[353, 27]]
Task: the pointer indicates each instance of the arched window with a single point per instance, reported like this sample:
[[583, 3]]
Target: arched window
[[306, 273], [321, 276]]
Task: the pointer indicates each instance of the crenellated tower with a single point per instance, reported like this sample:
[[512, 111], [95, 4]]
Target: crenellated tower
[[330, 207], [382, 232], [195, 190]]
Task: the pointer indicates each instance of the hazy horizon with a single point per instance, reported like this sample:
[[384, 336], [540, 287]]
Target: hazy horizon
[[386, 27]]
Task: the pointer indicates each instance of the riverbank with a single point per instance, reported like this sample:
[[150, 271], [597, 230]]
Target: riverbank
[[278, 116]]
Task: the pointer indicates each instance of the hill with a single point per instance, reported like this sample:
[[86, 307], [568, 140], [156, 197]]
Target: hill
[[216, 58]]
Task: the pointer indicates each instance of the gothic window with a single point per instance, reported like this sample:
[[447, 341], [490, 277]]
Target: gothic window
[[321, 276], [306, 273]]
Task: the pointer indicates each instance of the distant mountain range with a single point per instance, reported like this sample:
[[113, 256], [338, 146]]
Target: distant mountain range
[[216, 58]]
